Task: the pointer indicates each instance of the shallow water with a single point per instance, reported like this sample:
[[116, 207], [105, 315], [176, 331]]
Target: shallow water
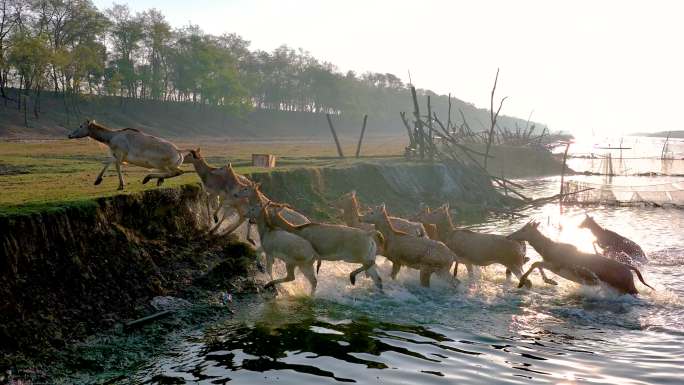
[[485, 331]]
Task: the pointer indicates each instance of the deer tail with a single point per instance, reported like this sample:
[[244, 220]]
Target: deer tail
[[639, 275]]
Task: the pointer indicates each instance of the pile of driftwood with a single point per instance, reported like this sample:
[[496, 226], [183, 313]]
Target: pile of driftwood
[[430, 138], [457, 144]]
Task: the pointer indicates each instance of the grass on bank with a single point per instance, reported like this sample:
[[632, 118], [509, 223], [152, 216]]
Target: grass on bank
[[36, 176]]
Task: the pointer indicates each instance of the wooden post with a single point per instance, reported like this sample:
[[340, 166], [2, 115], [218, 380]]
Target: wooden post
[[363, 130], [334, 134], [560, 196], [419, 124], [431, 140], [448, 126]]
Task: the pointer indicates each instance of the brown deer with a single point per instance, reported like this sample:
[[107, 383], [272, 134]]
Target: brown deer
[[476, 248], [292, 249], [219, 182], [565, 260], [132, 146], [340, 243], [349, 204], [427, 255], [614, 245]]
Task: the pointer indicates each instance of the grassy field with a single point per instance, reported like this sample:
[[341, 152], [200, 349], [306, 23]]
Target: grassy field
[[40, 175]]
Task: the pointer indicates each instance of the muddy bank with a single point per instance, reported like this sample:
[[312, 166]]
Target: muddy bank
[[403, 187], [68, 272]]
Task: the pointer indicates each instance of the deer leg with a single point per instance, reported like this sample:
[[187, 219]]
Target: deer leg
[[108, 163], [160, 176], [455, 269], [517, 271], [535, 265], [121, 178], [508, 274], [269, 265], [219, 208], [425, 277], [444, 274], [395, 269], [471, 271], [308, 270], [373, 273], [290, 268], [547, 279], [365, 267]]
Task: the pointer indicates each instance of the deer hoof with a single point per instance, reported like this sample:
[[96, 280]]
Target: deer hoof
[[97, 181], [527, 283], [146, 179], [352, 279], [121, 187], [551, 282], [215, 218], [160, 181]]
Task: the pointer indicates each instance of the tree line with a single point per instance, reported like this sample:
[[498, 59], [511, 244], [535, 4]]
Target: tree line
[[72, 48]]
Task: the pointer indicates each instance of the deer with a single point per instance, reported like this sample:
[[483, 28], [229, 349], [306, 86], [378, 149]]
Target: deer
[[475, 248], [351, 208], [614, 245], [340, 243], [219, 183], [568, 262], [131, 146], [292, 249], [426, 255]]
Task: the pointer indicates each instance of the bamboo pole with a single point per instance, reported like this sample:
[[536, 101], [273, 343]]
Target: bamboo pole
[[363, 131], [334, 134]]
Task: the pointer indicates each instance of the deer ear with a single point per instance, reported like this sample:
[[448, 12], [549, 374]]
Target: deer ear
[[353, 193], [383, 207]]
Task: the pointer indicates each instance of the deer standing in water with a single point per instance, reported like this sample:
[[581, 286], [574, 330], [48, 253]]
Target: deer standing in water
[[565, 260], [614, 245], [132, 146]]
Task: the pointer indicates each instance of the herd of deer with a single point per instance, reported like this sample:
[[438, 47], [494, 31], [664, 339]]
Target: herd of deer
[[430, 243]]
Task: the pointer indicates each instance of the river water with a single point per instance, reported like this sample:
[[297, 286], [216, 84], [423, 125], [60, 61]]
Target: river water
[[486, 331]]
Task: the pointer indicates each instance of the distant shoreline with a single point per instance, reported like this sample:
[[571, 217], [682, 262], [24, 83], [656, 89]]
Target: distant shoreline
[[662, 134]]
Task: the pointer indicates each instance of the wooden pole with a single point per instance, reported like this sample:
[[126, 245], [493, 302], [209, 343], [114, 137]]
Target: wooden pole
[[419, 124], [429, 123], [560, 196], [334, 134], [363, 130], [448, 126]]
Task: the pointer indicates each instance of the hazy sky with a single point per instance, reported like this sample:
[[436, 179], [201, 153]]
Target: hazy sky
[[612, 66]]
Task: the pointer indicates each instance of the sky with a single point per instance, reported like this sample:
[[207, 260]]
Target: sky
[[608, 67]]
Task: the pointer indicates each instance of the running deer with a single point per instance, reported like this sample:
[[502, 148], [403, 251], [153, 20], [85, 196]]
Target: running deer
[[292, 249], [340, 243], [476, 248], [614, 245], [351, 208], [132, 146], [218, 184], [424, 254], [565, 260]]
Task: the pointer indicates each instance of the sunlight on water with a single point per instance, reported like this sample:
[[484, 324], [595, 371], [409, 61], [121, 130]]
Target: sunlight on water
[[484, 331]]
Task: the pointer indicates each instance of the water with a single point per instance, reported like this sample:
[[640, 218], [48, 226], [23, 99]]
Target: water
[[487, 331]]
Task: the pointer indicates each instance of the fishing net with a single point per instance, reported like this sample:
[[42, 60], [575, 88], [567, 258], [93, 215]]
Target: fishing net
[[587, 193]]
